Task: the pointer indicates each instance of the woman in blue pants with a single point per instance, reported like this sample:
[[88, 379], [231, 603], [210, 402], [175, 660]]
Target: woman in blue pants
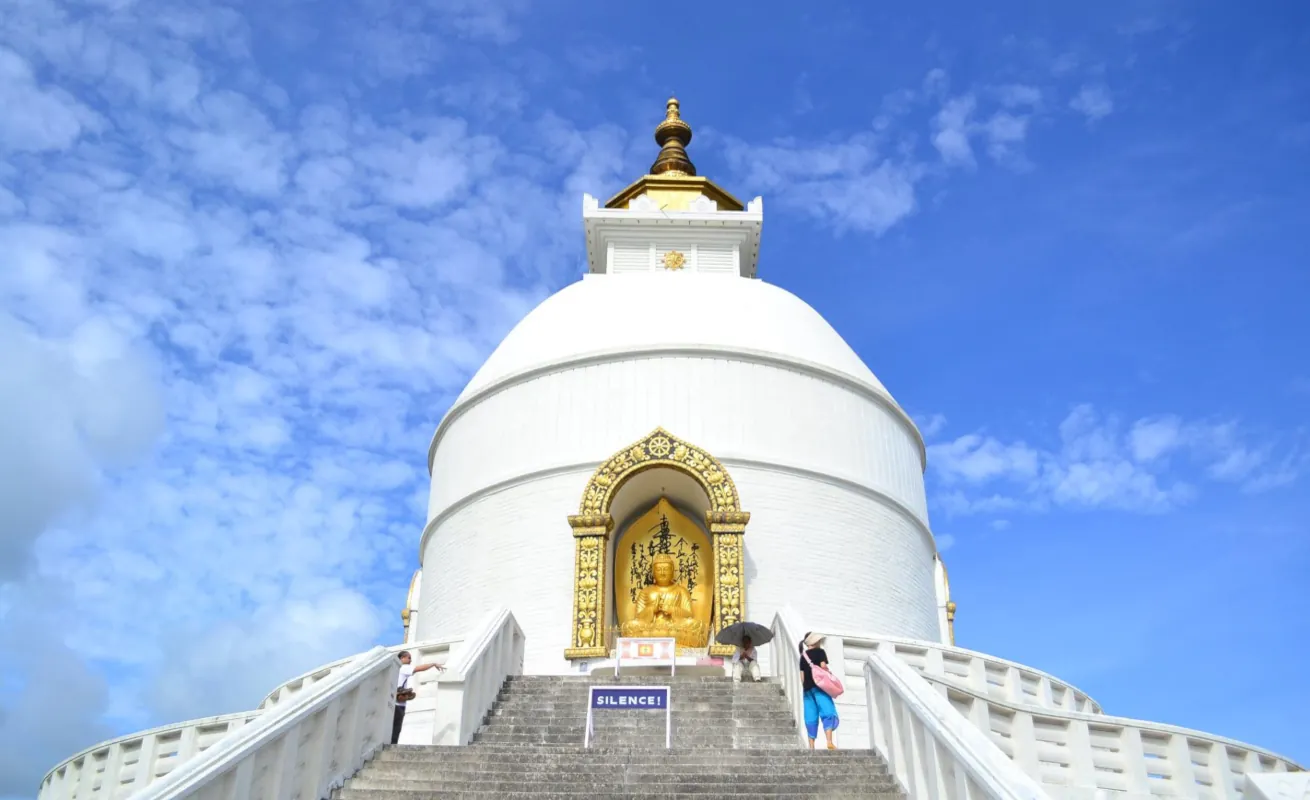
[[818, 705]]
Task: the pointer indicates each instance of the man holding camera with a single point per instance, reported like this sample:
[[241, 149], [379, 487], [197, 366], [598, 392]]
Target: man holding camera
[[403, 691]]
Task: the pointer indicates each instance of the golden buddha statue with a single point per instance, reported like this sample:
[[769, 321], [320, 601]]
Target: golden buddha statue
[[664, 609]]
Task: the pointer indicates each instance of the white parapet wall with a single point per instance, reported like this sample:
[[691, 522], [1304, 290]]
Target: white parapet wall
[[122, 767], [1053, 731]]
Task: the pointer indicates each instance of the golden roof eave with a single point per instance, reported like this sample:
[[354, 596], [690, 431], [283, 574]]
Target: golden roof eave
[[690, 185]]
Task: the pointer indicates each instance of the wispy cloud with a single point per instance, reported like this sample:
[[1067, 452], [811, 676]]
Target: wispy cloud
[[1152, 465], [1093, 102], [869, 181]]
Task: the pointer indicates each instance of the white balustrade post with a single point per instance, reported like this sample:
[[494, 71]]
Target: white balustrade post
[[872, 703], [241, 779], [1081, 764], [1013, 685], [1023, 738], [1221, 771], [288, 758], [109, 782], [978, 676], [933, 662], [318, 760], [1181, 769], [1134, 761], [1044, 694]]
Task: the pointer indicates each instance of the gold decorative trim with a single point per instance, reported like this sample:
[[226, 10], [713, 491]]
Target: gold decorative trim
[[588, 595], [659, 448], [673, 260], [593, 523], [729, 585]]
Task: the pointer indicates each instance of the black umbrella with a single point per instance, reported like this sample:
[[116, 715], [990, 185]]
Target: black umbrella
[[733, 634]]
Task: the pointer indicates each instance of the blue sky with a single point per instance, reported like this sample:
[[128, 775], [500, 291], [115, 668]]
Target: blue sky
[[250, 252]]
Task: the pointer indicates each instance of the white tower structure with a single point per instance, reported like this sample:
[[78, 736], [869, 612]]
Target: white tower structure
[[671, 344]]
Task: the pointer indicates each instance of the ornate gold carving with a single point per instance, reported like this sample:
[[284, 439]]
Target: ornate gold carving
[[588, 598], [730, 583], [664, 577], [674, 260], [639, 456]]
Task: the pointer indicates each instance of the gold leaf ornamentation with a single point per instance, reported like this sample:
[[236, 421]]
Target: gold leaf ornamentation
[[674, 260]]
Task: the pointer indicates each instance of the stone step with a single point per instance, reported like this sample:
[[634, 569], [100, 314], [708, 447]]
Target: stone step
[[717, 743], [692, 784], [400, 794], [740, 692], [528, 723], [627, 755], [630, 680], [399, 770], [729, 739], [761, 713]]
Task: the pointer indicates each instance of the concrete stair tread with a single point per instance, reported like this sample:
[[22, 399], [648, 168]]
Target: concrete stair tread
[[729, 739]]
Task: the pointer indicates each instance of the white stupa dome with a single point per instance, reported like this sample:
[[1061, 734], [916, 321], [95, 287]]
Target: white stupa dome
[[602, 316]]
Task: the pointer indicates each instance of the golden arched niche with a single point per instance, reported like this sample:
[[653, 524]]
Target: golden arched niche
[[592, 525]]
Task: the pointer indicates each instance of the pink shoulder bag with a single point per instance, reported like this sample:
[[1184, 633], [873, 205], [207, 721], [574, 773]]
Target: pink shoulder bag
[[828, 683]]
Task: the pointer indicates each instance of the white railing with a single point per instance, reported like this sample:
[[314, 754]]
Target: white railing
[[934, 753], [1079, 756], [473, 679], [121, 767], [988, 675], [303, 749], [437, 651], [784, 663], [1284, 786]]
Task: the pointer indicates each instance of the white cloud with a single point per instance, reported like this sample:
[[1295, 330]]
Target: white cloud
[[850, 183], [951, 129], [945, 542], [868, 181], [229, 324], [974, 458], [1099, 465], [1018, 94], [930, 425], [37, 118], [1093, 102]]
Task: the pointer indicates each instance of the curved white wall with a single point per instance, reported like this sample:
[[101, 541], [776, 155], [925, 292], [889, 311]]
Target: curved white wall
[[815, 455]]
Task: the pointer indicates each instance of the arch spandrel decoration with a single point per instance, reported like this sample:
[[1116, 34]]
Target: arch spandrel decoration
[[659, 448], [593, 524]]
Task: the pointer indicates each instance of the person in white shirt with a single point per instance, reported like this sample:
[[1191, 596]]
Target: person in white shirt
[[744, 661], [402, 683]]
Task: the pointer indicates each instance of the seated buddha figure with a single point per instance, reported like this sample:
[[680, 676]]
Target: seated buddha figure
[[663, 609]]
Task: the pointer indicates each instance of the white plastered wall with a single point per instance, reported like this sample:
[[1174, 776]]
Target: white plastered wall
[[836, 494]]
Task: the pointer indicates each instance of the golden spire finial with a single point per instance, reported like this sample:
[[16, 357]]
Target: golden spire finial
[[673, 135]]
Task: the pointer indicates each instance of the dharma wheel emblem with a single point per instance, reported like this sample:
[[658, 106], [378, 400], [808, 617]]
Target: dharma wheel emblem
[[674, 260], [660, 447]]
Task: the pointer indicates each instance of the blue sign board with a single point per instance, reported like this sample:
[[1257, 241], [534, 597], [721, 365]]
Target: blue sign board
[[642, 698], [649, 698]]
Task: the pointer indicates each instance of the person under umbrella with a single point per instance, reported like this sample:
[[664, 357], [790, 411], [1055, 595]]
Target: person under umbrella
[[744, 636], [745, 662]]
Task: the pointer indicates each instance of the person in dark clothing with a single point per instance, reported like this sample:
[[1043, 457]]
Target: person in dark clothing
[[818, 705]]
